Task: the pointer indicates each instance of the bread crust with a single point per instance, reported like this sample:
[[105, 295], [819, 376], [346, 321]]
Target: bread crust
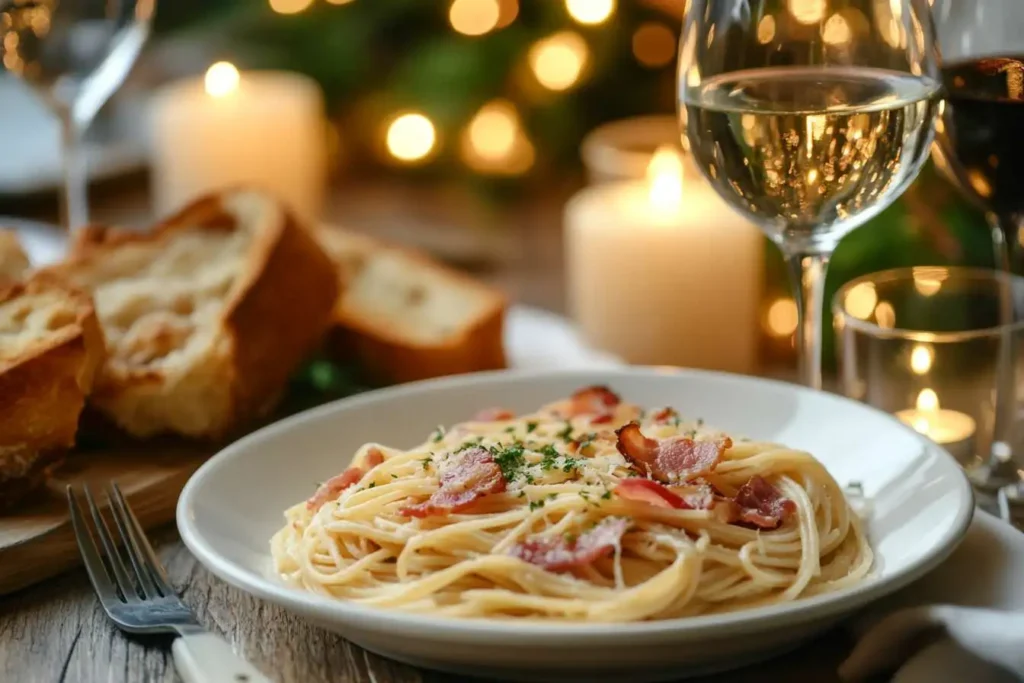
[[275, 314], [43, 391], [390, 358]]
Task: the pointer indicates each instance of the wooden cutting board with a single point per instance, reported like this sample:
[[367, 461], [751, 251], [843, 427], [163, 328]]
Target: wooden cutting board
[[37, 542]]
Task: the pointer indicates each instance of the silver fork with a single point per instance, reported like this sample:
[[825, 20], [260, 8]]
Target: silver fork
[[142, 600]]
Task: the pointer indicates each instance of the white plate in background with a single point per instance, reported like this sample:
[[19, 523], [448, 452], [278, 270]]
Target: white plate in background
[[921, 508]]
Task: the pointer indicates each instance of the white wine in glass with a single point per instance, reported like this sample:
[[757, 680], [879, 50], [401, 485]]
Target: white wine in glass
[[74, 54], [810, 117]]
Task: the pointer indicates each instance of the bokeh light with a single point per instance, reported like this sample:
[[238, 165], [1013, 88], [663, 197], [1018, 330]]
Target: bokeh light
[[289, 6], [808, 11], [860, 300], [411, 137], [474, 17], [654, 44], [590, 12], [558, 60], [782, 318], [921, 359]]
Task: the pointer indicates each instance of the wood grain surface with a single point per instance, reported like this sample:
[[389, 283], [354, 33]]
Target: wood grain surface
[[37, 542]]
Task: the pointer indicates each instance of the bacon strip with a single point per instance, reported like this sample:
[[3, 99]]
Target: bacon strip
[[761, 504], [664, 415], [493, 415], [559, 553], [599, 401], [651, 492], [676, 459], [473, 477], [332, 488]]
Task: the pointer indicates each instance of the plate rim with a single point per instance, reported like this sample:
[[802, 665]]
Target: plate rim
[[526, 633]]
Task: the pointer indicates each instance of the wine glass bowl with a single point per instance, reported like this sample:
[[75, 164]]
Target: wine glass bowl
[[810, 117], [74, 54]]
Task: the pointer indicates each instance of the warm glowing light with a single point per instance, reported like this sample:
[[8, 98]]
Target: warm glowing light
[[474, 17], [289, 6], [782, 317], [808, 11], [508, 10], [558, 61], [221, 79], [411, 137], [927, 400], [927, 286], [979, 182], [885, 315], [861, 300], [492, 132], [766, 29], [921, 359], [495, 143], [590, 12], [665, 179], [836, 31], [338, 2], [654, 44]]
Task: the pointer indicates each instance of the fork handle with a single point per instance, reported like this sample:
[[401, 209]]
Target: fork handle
[[208, 658]]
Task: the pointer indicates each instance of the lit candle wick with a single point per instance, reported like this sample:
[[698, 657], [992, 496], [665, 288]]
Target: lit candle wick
[[665, 180]]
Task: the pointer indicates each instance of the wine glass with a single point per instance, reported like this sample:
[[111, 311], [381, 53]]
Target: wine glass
[[810, 117], [980, 148], [74, 54]]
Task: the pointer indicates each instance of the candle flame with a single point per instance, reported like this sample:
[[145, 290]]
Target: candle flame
[[221, 79], [927, 401], [665, 179]]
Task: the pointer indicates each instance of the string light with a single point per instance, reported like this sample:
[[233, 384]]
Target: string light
[[508, 10], [474, 17], [782, 318], [494, 141], [654, 44], [221, 79], [289, 6], [411, 137], [590, 12], [558, 60]]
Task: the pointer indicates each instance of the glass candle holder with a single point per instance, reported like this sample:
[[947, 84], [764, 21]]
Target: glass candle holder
[[941, 349]]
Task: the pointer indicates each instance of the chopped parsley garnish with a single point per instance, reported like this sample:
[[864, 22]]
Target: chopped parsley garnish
[[700, 421], [550, 455], [675, 419], [552, 496], [534, 504], [426, 462], [586, 440], [570, 464], [522, 494], [584, 494], [607, 495], [691, 433], [510, 429], [570, 538], [394, 476], [438, 434], [566, 433], [510, 459], [372, 484], [530, 426]]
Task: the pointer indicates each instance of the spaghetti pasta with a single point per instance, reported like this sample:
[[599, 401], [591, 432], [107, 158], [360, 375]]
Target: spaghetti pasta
[[588, 509]]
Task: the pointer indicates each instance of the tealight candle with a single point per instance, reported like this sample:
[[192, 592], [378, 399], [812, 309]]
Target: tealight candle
[[228, 128], [663, 273], [949, 428]]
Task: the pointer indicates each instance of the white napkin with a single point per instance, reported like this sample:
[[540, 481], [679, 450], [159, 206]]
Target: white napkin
[[961, 623], [977, 646]]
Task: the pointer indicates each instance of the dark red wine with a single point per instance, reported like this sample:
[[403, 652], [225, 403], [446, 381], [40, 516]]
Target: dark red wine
[[981, 135]]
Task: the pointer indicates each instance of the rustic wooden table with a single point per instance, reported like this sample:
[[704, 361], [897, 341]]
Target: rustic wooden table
[[56, 630]]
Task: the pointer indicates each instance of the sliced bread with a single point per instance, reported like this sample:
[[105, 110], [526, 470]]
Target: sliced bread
[[51, 348], [403, 317], [206, 315], [13, 261]]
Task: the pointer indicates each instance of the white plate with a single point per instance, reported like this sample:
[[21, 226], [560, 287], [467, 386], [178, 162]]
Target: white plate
[[921, 505]]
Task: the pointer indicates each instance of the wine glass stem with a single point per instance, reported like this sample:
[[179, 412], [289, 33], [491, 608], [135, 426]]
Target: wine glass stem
[[807, 274], [1001, 469], [74, 207]]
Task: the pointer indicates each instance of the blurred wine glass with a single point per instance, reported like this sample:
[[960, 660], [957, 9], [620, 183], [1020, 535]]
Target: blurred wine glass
[[74, 54], [980, 147], [810, 117]]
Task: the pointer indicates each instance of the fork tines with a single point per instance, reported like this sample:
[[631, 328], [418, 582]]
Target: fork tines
[[107, 571]]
